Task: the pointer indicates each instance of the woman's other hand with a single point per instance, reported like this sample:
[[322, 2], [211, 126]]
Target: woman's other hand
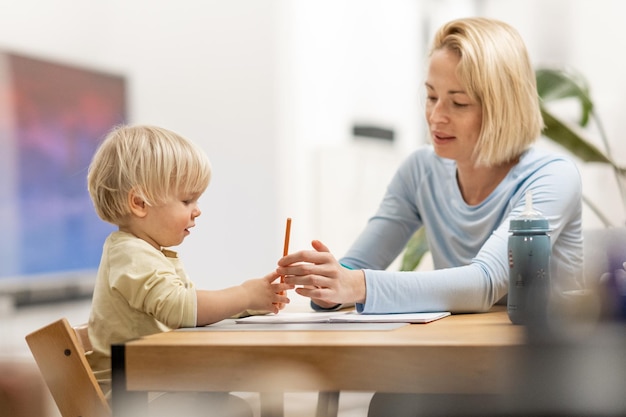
[[320, 277]]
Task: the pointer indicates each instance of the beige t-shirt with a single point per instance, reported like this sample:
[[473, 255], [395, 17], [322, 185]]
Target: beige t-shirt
[[139, 291]]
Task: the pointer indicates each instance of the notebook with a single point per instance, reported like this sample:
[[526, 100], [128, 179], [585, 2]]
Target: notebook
[[343, 317]]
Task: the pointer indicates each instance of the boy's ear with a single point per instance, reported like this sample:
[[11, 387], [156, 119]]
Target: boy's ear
[[137, 205]]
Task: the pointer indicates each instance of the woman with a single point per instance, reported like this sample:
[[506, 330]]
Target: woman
[[482, 109]]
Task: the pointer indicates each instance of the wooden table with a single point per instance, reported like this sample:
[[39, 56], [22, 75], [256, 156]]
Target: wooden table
[[466, 353]]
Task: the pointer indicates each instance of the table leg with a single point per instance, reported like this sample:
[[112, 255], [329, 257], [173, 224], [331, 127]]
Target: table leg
[[327, 404], [272, 404], [124, 403]]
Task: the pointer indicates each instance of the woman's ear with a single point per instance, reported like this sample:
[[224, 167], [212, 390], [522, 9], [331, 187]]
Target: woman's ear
[[138, 206]]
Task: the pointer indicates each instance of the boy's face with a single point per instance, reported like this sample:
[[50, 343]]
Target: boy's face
[[168, 224]]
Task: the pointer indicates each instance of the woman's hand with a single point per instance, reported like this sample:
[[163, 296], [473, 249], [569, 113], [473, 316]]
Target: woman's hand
[[321, 278]]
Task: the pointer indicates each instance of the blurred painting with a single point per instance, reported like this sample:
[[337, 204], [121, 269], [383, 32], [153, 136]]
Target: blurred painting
[[52, 118]]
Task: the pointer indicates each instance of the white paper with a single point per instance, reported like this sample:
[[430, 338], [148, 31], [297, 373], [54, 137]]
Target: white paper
[[344, 317], [354, 317]]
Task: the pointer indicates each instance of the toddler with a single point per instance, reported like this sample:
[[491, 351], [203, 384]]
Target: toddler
[[147, 180]]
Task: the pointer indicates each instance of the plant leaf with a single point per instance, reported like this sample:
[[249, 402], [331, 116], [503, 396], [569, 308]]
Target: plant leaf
[[572, 140], [557, 84], [415, 250]]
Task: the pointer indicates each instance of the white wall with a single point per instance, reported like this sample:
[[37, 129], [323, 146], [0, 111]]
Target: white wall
[[203, 68], [271, 88], [348, 61]]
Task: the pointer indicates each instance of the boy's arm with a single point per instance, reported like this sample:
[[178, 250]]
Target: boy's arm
[[216, 305], [260, 294]]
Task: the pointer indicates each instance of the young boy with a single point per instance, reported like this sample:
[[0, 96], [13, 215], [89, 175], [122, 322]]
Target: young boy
[[147, 181]]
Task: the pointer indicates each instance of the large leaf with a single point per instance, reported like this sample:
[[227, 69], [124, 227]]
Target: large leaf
[[571, 139], [415, 250], [557, 84]]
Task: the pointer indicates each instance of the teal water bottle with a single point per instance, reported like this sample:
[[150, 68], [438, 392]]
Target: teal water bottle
[[529, 267]]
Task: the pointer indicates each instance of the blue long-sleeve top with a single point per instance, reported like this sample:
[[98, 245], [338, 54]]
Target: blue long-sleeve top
[[468, 244]]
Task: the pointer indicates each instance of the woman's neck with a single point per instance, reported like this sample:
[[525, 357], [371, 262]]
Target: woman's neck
[[477, 183]]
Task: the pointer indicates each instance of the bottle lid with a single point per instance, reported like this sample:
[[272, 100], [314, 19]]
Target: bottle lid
[[530, 219], [529, 225]]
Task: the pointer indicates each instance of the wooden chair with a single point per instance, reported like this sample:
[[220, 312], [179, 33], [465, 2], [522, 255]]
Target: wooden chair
[[59, 351]]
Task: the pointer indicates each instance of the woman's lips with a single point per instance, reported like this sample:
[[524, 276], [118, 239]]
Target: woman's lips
[[442, 137]]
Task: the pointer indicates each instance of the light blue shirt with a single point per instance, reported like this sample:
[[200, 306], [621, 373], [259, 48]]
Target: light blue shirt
[[468, 244]]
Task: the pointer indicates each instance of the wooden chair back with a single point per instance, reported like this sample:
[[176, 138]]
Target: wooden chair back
[[59, 351], [83, 337]]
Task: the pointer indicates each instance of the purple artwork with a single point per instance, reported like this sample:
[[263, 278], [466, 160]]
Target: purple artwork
[[52, 118]]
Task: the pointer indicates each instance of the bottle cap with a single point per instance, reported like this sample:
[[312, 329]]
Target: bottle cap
[[530, 219]]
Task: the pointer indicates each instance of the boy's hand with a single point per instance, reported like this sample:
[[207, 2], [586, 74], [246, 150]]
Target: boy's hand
[[264, 294]]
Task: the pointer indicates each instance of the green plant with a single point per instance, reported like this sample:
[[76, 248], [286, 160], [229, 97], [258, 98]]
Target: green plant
[[554, 85]]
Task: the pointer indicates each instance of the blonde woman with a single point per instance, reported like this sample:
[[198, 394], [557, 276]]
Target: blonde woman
[[482, 110], [483, 115]]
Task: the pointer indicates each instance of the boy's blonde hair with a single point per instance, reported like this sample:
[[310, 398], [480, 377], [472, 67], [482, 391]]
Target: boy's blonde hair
[[495, 69], [153, 162]]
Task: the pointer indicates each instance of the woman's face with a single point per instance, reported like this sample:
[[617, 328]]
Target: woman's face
[[454, 119]]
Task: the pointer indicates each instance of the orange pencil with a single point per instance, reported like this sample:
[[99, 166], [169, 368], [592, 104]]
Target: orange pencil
[[286, 246]]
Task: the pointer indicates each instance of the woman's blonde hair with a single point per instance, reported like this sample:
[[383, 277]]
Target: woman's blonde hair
[[495, 69], [150, 161]]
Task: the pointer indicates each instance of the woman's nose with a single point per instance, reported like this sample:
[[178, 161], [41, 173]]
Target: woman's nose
[[437, 113]]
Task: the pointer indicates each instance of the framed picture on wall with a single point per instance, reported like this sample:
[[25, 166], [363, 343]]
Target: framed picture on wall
[[52, 118]]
